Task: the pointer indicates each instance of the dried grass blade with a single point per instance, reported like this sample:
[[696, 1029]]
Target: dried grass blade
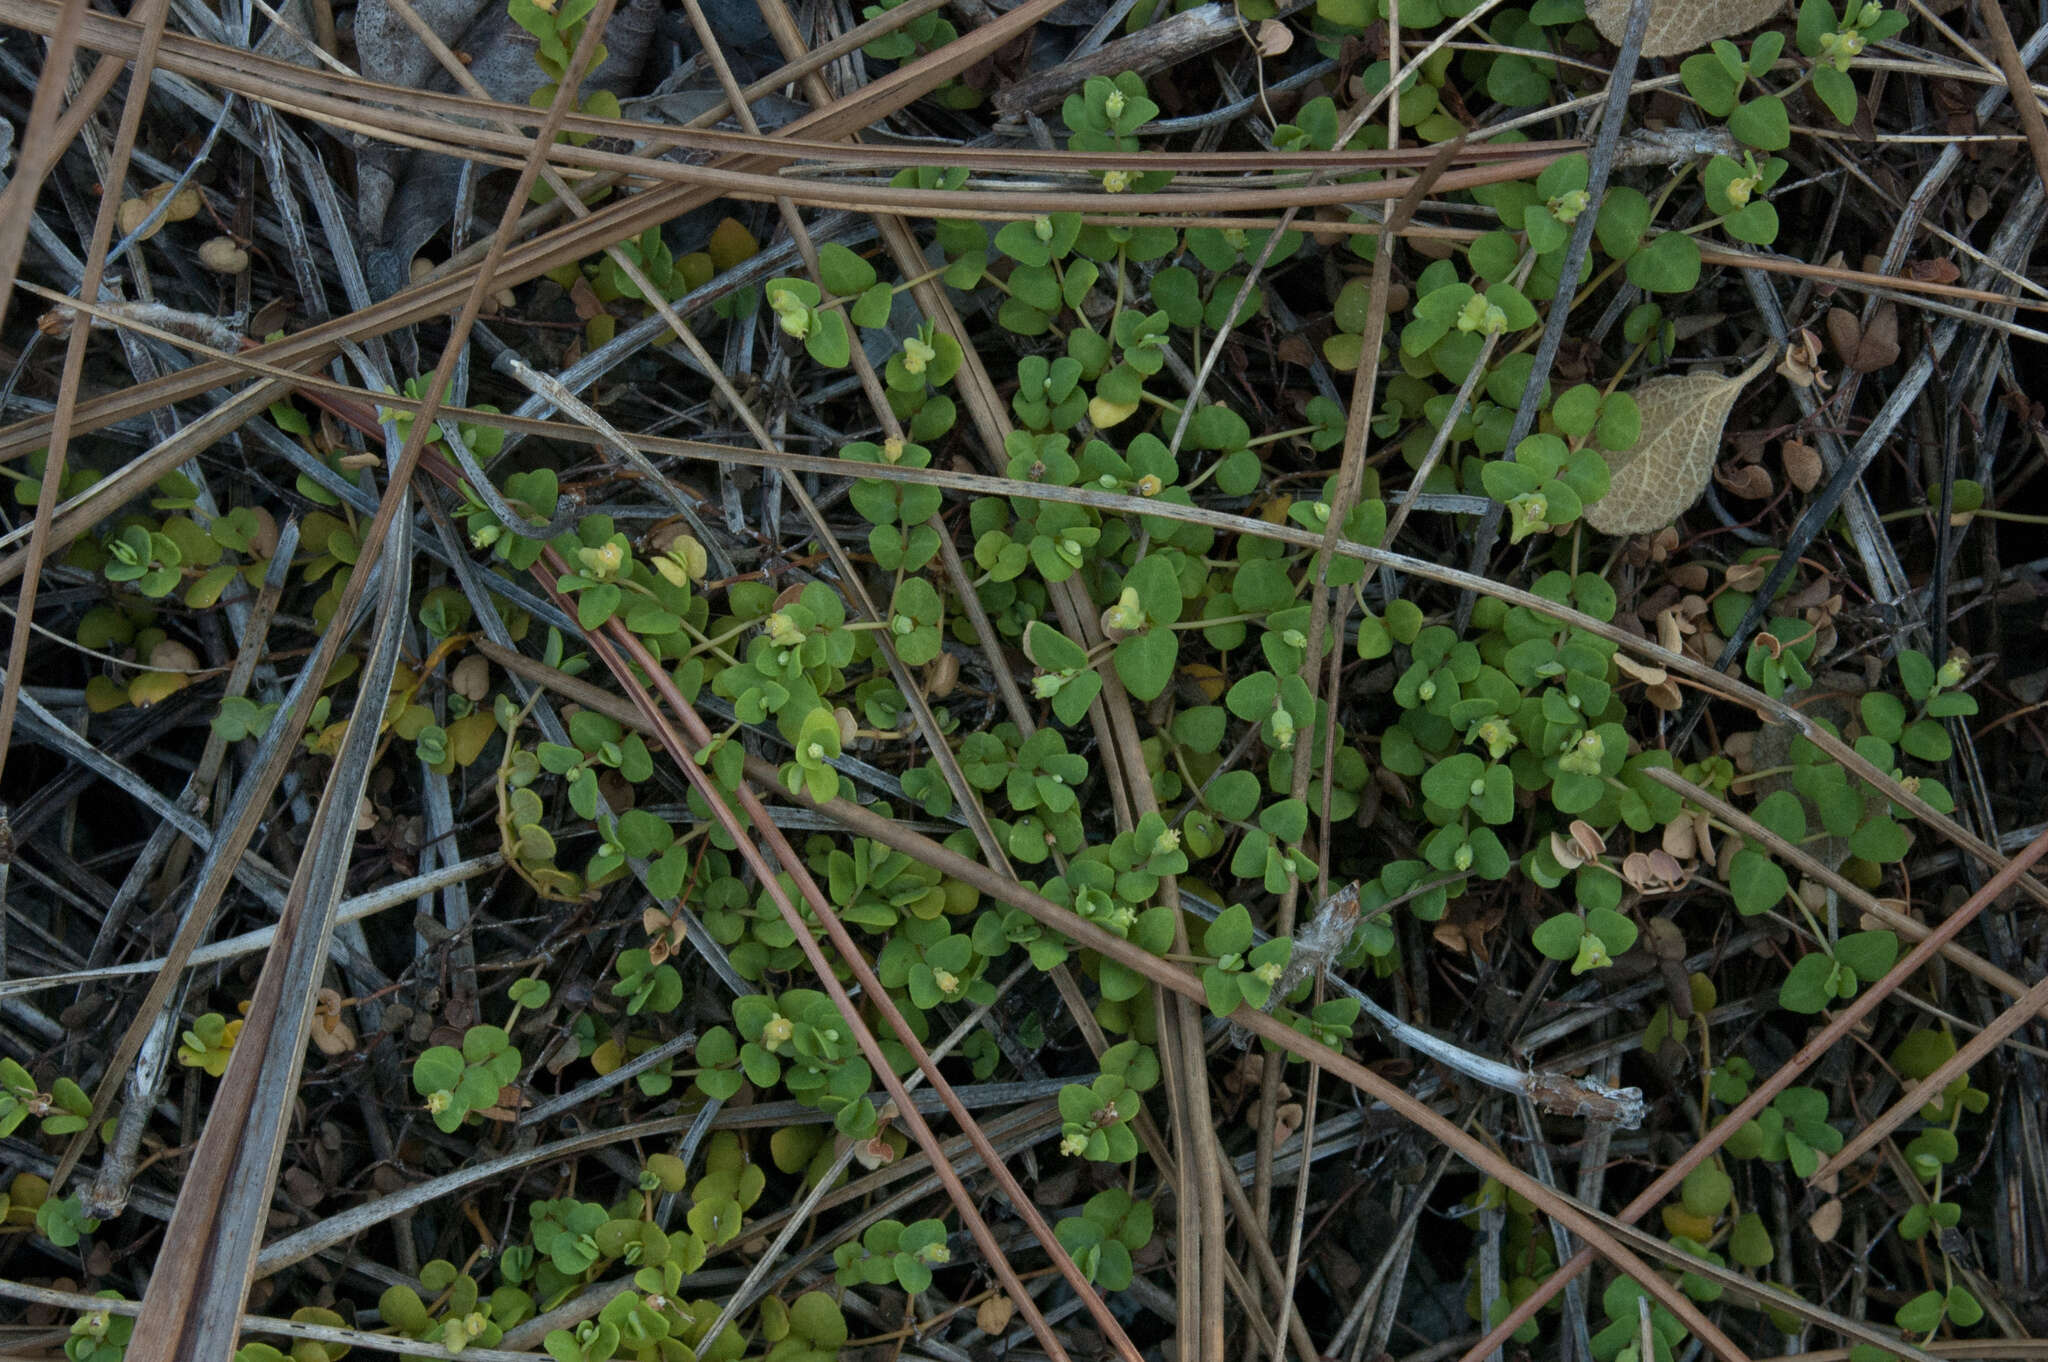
[[193, 1308]]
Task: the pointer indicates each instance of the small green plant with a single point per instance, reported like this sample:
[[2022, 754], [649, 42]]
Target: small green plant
[[100, 1335], [1112, 1227], [891, 1252], [64, 1110]]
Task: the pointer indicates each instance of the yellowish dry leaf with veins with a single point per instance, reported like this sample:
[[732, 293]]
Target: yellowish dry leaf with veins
[[1681, 26], [1651, 484]]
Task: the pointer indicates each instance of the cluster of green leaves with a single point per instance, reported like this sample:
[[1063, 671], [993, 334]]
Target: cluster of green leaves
[[893, 1253], [1512, 735], [102, 1335], [458, 1083], [557, 29], [64, 1110], [1095, 1118], [1112, 1226], [573, 1244], [1528, 1255], [461, 1313], [799, 1040], [928, 32]]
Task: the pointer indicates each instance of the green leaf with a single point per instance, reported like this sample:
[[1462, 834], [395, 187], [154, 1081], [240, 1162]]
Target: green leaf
[[1882, 840], [1448, 784], [1220, 989], [872, 308], [1762, 123], [1230, 933], [1616, 931], [1869, 954], [1782, 813], [1145, 662], [1750, 1244], [1558, 937], [1922, 1314], [843, 272], [1928, 740], [1884, 714], [1757, 882], [1837, 91], [1707, 1190], [1809, 987], [1624, 217], [1706, 79], [828, 342], [1669, 264]]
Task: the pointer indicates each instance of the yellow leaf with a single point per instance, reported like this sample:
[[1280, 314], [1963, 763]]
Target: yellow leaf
[[150, 687], [730, 243], [104, 693], [1206, 678], [1654, 483], [1678, 1220], [468, 735], [608, 1056], [696, 269], [1104, 413]]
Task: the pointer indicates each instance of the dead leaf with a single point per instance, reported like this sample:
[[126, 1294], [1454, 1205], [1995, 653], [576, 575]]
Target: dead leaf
[[1865, 349], [1801, 365], [172, 655], [1680, 26], [1663, 939], [331, 1035], [1802, 464], [1664, 474], [1747, 576], [1274, 38], [221, 255], [1826, 1222], [471, 678], [1934, 271], [1748, 481], [1590, 843], [1642, 672], [1679, 841], [992, 1316]]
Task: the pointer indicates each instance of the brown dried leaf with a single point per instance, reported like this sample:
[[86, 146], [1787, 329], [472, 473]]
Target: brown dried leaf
[[992, 1316], [1802, 464], [1747, 576], [1934, 271], [221, 255], [1801, 365], [471, 678], [1865, 349], [1653, 483], [1641, 671], [1826, 1222], [1748, 481], [1588, 839], [1681, 26], [1274, 38], [1679, 841]]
